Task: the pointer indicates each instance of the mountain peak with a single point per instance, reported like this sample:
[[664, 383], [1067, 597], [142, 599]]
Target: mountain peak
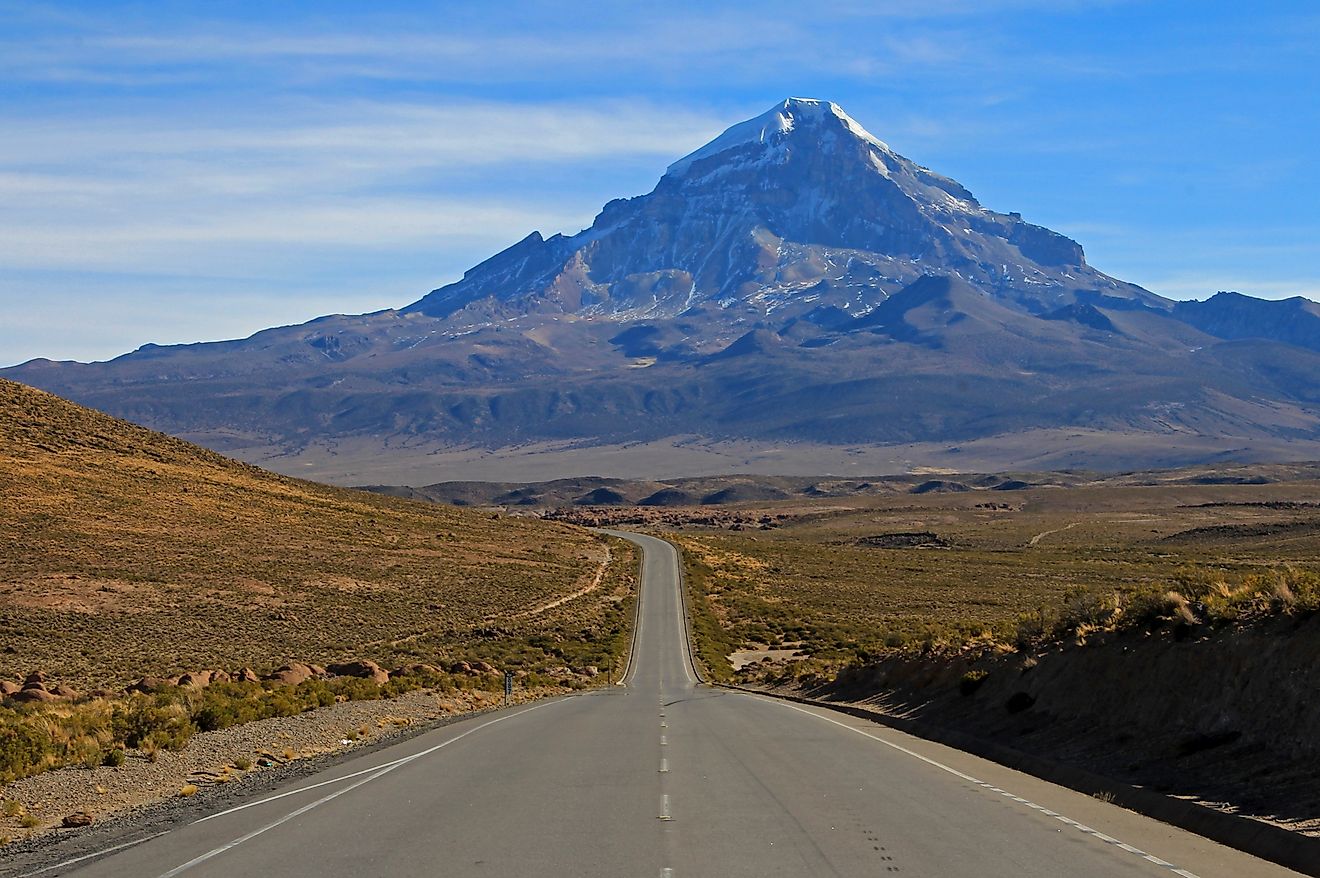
[[771, 129]]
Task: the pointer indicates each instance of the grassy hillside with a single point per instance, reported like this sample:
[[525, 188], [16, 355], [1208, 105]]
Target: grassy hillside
[[127, 552]]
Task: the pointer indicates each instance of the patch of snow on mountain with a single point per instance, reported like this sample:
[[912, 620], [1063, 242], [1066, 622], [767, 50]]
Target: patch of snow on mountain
[[771, 127]]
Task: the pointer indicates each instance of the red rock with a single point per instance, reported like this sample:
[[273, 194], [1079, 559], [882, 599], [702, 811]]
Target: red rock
[[148, 685], [34, 694], [78, 818], [196, 679], [291, 674], [36, 678], [61, 691], [8, 688], [365, 669], [246, 675]]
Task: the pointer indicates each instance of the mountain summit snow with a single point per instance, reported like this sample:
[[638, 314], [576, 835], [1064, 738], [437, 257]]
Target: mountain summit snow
[[793, 284], [769, 131]]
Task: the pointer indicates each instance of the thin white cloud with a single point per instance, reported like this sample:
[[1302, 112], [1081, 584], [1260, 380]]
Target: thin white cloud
[[157, 192], [209, 240], [365, 133]]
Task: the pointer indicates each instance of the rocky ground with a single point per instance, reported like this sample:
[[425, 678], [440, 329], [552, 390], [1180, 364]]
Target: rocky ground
[[36, 807]]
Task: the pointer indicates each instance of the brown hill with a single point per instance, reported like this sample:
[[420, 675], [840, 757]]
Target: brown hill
[[128, 552]]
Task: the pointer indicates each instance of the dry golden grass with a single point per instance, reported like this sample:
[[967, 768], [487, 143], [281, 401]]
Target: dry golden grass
[[128, 552], [999, 565]]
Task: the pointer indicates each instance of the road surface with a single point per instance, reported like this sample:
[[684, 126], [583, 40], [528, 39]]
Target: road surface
[[665, 777]]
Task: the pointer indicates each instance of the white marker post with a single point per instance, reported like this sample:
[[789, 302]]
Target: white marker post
[[508, 686]]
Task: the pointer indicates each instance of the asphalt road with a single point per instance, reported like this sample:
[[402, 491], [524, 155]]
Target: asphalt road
[[665, 777]]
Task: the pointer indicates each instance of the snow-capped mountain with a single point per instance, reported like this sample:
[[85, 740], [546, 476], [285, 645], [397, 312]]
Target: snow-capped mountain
[[793, 284], [800, 206]]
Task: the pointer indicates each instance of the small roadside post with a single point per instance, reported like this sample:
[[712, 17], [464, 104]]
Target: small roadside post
[[508, 686]]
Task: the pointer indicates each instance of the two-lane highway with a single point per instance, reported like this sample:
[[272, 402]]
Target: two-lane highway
[[662, 776]]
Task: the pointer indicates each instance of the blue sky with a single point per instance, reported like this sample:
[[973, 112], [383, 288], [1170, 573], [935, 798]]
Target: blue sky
[[176, 172]]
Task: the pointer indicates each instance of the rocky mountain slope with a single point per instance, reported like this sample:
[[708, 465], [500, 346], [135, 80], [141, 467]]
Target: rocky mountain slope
[[793, 283]]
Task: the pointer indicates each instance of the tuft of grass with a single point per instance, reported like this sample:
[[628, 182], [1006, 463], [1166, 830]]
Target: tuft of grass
[[243, 763], [972, 680], [188, 790]]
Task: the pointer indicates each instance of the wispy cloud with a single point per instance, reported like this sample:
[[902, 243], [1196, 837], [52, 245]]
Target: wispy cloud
[[107, 192]]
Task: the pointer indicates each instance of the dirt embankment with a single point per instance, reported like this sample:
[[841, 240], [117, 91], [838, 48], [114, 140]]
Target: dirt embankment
[[1228, 718]]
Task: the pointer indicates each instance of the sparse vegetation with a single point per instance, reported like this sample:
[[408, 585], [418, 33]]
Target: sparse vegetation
[[129, 553], [1054, 564]]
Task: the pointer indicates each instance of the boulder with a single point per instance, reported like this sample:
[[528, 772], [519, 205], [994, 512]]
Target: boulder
[[484, 668], [36, 678], [149, 685], [8, 687], [291, 674], [417, 670], [32, 694], [59, 690], [365, 669], [246, 675], [78, 818], [220, 676], [196, 679], [462, 668]]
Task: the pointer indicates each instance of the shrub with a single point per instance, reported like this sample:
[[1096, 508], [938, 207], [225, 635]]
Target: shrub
[[972, 680], [23, 747], [153, 723]]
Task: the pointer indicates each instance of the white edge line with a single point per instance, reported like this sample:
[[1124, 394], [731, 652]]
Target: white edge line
[[215, 852], [119, 847], [379, 771], [267, 800], [955, 772]]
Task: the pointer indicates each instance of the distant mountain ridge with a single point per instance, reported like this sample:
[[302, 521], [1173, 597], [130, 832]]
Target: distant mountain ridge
[[1235, 316], [793, 281]]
